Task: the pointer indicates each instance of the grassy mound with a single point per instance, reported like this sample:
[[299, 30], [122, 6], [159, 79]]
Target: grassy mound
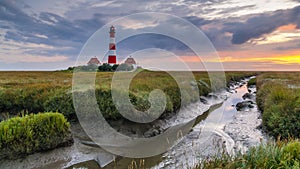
[[32, 133], [281, 109], [271, 155]]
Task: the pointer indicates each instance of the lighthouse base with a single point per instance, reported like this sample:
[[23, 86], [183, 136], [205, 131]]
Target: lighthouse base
[[112, 59]]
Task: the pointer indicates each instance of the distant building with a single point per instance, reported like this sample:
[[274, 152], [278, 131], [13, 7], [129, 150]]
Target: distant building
[[130, 61], [94, 61]]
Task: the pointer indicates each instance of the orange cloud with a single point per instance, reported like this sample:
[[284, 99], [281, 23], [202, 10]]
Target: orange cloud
[[289, 27]]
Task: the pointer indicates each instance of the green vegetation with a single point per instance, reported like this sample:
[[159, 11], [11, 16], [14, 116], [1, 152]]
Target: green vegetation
[[25, 135], [251, 82], [270, 155], [105, 67], [280, 104], [278, 97], [52, 91]]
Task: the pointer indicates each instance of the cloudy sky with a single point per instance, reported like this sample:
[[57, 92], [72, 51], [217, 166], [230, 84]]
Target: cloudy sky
[[248, 35]]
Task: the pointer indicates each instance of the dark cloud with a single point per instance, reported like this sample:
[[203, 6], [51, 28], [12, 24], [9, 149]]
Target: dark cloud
[[261, 24], [219, 39], [58, 30], [295, 14], [215, 34], [197, 21], [149, 40]]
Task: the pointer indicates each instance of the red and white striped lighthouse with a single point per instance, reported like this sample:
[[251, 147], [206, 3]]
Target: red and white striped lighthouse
[[112, 57]]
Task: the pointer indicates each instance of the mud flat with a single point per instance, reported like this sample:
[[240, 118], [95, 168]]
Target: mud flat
[[245, 128]]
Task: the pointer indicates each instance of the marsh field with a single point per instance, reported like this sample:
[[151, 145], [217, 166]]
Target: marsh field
[[35, 92], [43, 101]]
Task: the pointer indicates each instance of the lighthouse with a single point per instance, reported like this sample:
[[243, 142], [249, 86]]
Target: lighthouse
[[112, 57]]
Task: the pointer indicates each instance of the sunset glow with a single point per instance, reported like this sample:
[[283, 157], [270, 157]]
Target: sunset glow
[[278, 59]]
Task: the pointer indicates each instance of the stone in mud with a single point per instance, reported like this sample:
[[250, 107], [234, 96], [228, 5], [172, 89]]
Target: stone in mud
[[259, 127], [248, 96], [227, 89], [244, 105], [224, 97], [193, 136], [203, 100], [212, 96], [252, 86], [151, 133], [86, 164]]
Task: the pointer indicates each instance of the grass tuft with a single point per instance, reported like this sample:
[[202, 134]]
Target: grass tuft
[[20, 136]]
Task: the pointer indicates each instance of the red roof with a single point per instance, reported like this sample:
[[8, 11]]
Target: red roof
[[130, 61], [94, 61]]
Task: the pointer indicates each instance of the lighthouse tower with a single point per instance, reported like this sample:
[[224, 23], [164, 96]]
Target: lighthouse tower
[[112, 58]]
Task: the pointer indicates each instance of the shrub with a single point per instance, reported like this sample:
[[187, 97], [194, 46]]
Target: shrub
[[32, 133], [106, 104], [62, 102], [174, 96], [31, 98]]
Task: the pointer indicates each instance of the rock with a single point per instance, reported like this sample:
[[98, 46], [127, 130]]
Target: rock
[[244, 105], [212, 96], [193, 136], [203, 100], [151, 133], [249, 90], [252, 86], [223, 97], [86, 164], [259, 127], [248, 96], [227, 89], [251, 106]]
